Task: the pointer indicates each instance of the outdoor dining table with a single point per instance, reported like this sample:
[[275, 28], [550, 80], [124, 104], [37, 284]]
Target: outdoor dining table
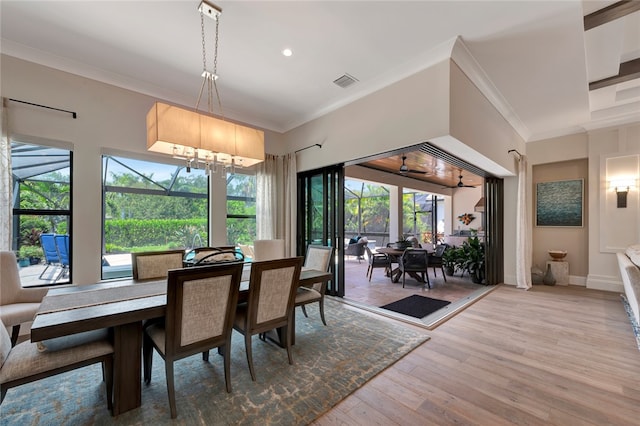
[[394, 255], [123, 306]]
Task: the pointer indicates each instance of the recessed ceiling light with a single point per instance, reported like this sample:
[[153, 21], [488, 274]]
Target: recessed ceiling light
[[287, 52]]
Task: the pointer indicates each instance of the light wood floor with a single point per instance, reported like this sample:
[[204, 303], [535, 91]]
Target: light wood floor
[[551, 355]]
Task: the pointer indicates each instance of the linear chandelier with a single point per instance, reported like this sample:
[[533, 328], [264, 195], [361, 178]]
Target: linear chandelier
[[202, 139]]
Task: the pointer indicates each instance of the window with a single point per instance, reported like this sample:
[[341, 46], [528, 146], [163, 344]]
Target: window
[[241, 208], [150, 206], [41, 177], [422, 213], [366, 211]]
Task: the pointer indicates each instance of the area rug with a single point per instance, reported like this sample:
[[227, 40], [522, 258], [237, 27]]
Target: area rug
[[330, 363], [416, 306], [634, 324]]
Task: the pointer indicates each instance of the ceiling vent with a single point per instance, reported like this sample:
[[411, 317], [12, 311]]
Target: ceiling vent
[[345, 81]]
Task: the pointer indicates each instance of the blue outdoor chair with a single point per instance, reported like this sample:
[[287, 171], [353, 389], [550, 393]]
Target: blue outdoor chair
[[62, 244], [51, 257]]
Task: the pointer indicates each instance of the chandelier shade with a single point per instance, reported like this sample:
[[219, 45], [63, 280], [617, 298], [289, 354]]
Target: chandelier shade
[[202, 138], [191, 135]]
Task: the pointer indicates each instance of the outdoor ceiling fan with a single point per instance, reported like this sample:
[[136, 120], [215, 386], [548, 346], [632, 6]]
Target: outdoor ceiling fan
[[404, 169], [460, 184]]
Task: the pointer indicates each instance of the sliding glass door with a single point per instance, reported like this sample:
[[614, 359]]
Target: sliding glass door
[[321, 217]]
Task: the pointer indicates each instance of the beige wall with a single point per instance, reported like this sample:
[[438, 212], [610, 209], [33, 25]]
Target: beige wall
[[110, 120], [607, 228], [575, 240], [406, 113]]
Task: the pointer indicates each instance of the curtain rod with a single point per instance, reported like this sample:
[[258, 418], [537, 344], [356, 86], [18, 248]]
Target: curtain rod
[[74, 114], [515, 151], [307, 147]]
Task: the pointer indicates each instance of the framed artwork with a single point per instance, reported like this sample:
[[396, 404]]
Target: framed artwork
[[560, 203]]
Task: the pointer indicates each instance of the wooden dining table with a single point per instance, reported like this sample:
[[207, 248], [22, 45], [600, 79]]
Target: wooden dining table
[[122, 306]]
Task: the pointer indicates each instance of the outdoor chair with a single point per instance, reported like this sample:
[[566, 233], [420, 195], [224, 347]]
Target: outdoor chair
[[415, 261], [26, 362], [17, 305], [201, 305], [51, 257], [435, 260], [272, 291], [62, 246], [155, 264], [356, 249], [318, 258], [377, 260]]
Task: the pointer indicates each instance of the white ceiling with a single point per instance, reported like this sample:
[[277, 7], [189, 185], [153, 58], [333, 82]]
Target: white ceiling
[[533, 53]]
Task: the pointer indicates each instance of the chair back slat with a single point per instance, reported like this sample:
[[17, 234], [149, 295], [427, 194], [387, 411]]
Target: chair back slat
[[48, 244], [201, 304], [415, 260], [62, 245]]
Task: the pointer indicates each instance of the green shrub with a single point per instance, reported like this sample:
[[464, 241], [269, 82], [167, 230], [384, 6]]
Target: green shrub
[[136, 233]]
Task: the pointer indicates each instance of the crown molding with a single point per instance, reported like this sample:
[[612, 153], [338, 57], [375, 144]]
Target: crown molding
[[462, 56]]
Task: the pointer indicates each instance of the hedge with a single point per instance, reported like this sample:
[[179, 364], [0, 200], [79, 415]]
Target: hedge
[[127, 233]]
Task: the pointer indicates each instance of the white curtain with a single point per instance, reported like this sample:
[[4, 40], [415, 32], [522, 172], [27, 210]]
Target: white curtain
[[276, 200], [523, 240], [6, 215]]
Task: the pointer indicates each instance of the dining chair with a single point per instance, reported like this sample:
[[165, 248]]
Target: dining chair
[[62, 245], [377, 260], [414, 260], [26, 363], [155, 264], [272, 290], [201, 305], [51, 257], [318, 258], [17, 305], [268, 249], [435, 260]]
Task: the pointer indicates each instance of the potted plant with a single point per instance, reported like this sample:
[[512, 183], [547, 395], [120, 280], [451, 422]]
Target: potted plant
[[402, 244], [450, 260], [32, 254], [474, 258]]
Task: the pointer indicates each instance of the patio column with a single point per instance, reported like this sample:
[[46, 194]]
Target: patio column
[[395, 213]]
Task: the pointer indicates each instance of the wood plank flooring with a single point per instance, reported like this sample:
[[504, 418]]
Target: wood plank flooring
[[549, 356]]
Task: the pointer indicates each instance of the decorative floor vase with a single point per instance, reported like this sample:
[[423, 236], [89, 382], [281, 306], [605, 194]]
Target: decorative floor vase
[[548, 278]]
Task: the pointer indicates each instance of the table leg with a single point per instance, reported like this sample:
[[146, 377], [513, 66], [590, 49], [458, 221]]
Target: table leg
[[127, 368]]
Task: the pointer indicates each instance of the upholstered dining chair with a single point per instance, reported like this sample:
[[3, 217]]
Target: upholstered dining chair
[[201, 305], [26, 362], [268, 249], [416, 261], [155, 264], [17, 305], [318, 258], [272, 290], [377, 260]]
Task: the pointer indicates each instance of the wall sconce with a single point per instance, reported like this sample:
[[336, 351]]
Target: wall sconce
[[621, 192]]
